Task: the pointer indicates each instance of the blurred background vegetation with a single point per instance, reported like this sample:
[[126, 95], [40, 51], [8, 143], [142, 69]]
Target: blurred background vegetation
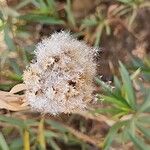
[[121, 30]]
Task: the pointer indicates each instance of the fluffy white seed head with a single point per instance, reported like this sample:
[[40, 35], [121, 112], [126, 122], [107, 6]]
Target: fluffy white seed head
[[61, 78]]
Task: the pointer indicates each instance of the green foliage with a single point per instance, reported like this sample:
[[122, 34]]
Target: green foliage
[[33, 133], [101, 24], [143, 64], [70, 15], [130, 8], [41, 19], [3, 143], [125, 108], [44, 12], [122, 104]]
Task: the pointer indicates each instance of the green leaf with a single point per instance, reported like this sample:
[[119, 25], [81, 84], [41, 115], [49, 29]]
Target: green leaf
[[42, 4], [16, 68], [89, 22], [136, 74], [52, 7], [16, 144], [127, 84], [2, 25], [6, 86], [70, 15], [125, 1], [107, 88], [144, 130], [146, 104], [138, 142], [1, 15], [99, 34], [9, 41], [56, 125], [112, 133], [31, 122], [50, 134], [53, 144], [41, 19], [3, 143], [13, 121], [118, 103], [22, 4], [144, 119], [117, 86], [111, 111], [132, 126], [112, 96], [13, 76]]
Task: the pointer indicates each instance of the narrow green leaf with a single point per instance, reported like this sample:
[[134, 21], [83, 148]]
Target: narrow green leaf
[[125, 1], [31, 122], [118, 115], [144, 130], [99, 34], [145, 105], [52, 7], [144, 119], [111, 111], [6, 86], [132, 126], [13, 121], [135, 74], [138, 142], [56, 125], [3, 143], [2, 24], [117, 82], [112, 133], [22, 4], [89, 22], [16, 144], [41, 19], [50, 134], [128, 88], [107, 88], [15, 67], [53, 144], [119, 103], [117, 86], [42, 4], [1, 15], [8, 39], [70, 15]]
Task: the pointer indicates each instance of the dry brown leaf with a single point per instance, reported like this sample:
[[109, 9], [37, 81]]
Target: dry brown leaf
[[12, 106], [13, 102], [17, 88]]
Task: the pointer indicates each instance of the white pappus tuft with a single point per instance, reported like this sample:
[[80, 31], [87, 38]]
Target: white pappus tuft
[[61, 78]]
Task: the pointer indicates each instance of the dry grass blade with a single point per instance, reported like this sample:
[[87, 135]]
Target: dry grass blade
[[82, 136], [99, 117]]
